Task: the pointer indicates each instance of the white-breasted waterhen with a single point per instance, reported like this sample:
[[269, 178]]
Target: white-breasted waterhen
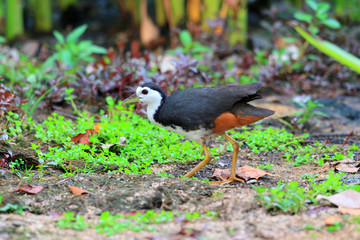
[[200, 112]]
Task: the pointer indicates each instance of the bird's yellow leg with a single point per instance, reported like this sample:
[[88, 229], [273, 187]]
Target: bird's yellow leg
[[202, 163], [232, 178]]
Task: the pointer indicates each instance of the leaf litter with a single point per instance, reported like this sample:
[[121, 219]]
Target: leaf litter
[[245, 172]]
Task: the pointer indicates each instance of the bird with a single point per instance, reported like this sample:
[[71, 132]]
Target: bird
[[200, 112]]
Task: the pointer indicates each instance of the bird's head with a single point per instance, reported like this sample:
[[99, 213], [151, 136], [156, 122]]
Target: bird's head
[[149, 93]]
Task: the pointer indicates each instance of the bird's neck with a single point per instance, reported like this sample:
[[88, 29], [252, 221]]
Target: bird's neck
[[154, 107]]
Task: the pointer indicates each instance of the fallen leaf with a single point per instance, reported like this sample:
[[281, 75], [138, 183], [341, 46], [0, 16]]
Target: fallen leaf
[[246, 172], [29, 189], [78, 191], [97, 128], [350, 211], [330, 220], [346, 199], [221, 174], [348, 168], [122, 142], [83, 138]]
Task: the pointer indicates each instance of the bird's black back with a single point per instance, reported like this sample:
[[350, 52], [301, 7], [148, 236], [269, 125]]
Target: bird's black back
[[199, 107]]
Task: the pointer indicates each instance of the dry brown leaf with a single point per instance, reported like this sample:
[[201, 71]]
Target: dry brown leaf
[[346, 199], [221, 174], [83, 138], [246, 172], [78, 191], [29, 189], [350, 211], [348, 168], [347, 165], [330, 220]]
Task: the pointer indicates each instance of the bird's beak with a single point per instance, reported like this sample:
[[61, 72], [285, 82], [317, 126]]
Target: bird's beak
[[132, 99]]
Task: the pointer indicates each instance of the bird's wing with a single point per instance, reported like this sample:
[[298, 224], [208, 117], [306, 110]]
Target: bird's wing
[[196, 107]]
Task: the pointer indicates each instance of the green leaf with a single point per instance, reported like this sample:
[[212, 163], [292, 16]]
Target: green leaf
[[65, 56], [314, 29], [2, 39], [303, 17], [200, 48], [331, 50], [76, 33], [97, 49], [323, 7], [312, 4], [331, 23], [59, 37], [186, 39], [321, 15]]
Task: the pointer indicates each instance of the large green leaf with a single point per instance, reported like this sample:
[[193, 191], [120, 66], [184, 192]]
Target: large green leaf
[[331, 50], [303, 17], [186, 39], [76, 33], [331, 23], [313, 4], [59, 37]]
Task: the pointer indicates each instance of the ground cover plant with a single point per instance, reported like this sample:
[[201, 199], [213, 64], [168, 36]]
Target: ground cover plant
[[62, 128]]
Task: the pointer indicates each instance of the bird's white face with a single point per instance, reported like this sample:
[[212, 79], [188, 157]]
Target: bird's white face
[[148, 96]]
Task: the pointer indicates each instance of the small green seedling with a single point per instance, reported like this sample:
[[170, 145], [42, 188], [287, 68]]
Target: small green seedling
[[265, 167], [73, 222], [318, 18], [189, 46], [290, 198], [10, 208], [309, 112]]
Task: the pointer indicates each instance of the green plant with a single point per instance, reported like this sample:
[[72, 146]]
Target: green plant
[[330, 186], [335, 227], [321, 16], [309, 112], [265, 167], [57, 129], [71, 221], [14, 124], [219, 194], [70, 51], [10, 208], [132, 157], [309, 227], [309, 176], [17, 164], [245, 79], [71, 98], [288, 198], [111, 224], [330, 49], [259, 140], [189, 46], [165, 174], [271, 139]]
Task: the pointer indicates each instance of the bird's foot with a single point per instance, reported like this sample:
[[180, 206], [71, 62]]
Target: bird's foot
[[229, 180]]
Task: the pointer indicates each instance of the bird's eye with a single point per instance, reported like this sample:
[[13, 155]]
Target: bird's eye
[[144, 91]]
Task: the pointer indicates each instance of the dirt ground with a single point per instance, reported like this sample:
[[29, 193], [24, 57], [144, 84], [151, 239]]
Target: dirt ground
[[240, 215]]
